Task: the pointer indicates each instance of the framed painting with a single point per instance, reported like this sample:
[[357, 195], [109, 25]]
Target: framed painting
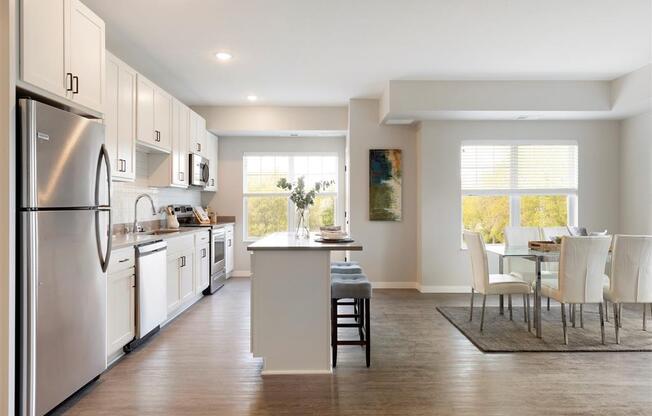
[[385, 184]]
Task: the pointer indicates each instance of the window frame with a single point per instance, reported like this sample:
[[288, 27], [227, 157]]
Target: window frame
[[572, 214], [291, 218]]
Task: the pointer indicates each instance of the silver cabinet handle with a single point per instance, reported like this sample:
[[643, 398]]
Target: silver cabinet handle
[[123, 260]]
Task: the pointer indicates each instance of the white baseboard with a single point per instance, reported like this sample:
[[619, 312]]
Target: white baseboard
[[443, 289], [241, 273], [394, 285]]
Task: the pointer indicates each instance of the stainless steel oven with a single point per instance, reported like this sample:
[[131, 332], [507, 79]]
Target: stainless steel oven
[[199, 170], [218, 269]]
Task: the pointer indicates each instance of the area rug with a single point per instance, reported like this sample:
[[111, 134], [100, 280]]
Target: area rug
[[502, 335]]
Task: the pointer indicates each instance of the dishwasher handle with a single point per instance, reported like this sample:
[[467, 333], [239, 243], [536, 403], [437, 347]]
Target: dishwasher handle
[[151, 248]]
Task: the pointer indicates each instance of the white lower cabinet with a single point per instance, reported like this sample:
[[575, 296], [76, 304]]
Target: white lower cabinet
[[202, 275], [121, 302], [180, 286], [229, 250]]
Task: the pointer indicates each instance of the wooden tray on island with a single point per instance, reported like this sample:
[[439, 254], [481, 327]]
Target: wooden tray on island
[[544, 246]]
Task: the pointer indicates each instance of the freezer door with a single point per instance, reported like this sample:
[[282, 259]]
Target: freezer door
[[64, 306], [61, 155]]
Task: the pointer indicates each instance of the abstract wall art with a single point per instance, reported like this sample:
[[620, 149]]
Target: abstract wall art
[[385, 184]]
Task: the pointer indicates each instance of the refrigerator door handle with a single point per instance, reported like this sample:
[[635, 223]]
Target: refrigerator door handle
[[103, 157], [104, 257]]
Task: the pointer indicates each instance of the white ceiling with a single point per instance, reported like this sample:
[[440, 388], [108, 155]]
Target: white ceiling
[[323, 52]]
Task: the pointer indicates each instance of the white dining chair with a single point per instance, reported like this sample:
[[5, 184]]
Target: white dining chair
[[581, 273], [516, 236], [631, 276], [492, 284]]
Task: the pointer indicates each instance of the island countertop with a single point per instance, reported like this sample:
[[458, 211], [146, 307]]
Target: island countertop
[[288, 241]]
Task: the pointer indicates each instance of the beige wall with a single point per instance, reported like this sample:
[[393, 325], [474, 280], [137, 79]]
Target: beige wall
[[228, 199], [390, 248], [443, 265], [636, 175], [264, 121], [7, 204]]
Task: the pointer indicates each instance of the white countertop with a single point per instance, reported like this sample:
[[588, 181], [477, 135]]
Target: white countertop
[[125, 240], [287, 241]]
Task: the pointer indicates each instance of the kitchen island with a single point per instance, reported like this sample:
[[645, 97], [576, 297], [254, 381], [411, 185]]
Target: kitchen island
[[290, 303]]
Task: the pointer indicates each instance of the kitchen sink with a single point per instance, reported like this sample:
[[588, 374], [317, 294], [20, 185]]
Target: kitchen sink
[[162, 232]]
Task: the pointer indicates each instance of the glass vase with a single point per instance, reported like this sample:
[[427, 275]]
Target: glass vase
[[302, 232]]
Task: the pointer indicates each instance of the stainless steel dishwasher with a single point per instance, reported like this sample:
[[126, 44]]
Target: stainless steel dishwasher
[[151, 291]]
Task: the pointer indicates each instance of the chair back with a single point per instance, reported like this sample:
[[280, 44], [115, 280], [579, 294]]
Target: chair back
[[479, 263], [631, 269], [520, 237], [581, 268], [548, 232]]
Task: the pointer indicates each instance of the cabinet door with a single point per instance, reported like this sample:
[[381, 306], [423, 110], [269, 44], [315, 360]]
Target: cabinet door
[[211, 154], [119, 117], [85, 51], [42, 55], [121, 310], [163, 118], [111, 114], [201, 135], [127, 121], [229, 250], [186, 276], [173, 271], [145, 111], [184, 138], [202, 272]]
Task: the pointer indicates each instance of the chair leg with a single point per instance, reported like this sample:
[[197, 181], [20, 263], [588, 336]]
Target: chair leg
[[571, 313], [548, 304], [616, 322], [601, 323], [620, 315], [509, 305], [524, 309], [581, 316], [471, 313], [527, 313], [606, 310], [563, 323], [334, 330], [367, 325], [360, 318], [644, 308], [501, 303], [484, 301]]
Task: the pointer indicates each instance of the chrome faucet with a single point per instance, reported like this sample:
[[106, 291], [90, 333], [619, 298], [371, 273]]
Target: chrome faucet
[[137, 227]]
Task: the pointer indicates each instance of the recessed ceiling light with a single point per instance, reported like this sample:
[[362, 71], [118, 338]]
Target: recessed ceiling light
[[223, 56], [252, 98]]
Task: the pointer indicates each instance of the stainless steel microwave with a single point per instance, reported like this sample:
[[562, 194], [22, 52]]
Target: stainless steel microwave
[[199, 172]]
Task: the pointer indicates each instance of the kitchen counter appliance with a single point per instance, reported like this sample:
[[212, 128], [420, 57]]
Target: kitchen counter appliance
[[64, 223], [199, 170], [151, 290]]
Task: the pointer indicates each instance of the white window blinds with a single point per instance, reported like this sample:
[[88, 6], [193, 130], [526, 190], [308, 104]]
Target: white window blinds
[[519, 168]]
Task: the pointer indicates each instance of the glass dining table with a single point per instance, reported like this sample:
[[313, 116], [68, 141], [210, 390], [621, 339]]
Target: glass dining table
[[536, 256]]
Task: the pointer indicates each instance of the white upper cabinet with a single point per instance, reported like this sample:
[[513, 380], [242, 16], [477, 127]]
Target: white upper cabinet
[[197, 134], [85, 48], [153, 115], [172, 169], [212, 156], [120, 118], [42, 45], [62, 50]]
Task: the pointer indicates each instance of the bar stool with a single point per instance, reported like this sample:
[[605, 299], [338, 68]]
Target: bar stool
[[358, 288]]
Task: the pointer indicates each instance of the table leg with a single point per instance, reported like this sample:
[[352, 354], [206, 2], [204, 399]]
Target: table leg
[[501, 299], [537, 300]]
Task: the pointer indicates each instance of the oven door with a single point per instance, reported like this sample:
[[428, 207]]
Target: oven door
[[217, 260]]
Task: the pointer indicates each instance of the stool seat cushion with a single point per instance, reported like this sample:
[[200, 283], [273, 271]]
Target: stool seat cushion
[[346, 269], [345, 263], [348, 276], [348, 287]]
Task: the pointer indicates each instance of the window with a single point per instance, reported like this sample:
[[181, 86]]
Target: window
[[267, 208], [528, 184]]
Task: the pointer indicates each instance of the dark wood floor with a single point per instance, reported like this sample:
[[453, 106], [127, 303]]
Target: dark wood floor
[[421, 365]]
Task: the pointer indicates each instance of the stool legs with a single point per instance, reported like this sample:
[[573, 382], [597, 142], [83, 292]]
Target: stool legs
[[334, 330], [362, 316], [367, 325]]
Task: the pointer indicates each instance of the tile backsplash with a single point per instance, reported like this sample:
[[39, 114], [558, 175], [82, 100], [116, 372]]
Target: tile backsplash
[[125, 193]]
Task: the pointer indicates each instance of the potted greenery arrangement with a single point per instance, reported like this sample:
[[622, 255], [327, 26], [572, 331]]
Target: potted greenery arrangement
[[302, 200]]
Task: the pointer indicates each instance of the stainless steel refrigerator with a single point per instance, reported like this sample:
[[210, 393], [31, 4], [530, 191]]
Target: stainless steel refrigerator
[[64, 248]]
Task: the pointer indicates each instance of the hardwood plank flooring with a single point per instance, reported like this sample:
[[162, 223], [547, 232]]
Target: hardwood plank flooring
[[421, 365]]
